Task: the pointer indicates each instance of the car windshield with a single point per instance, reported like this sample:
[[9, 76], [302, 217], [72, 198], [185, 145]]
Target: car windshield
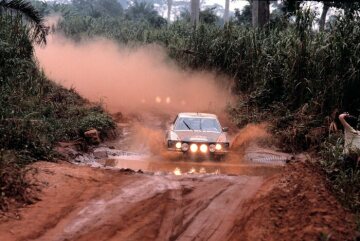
[[197, 124]]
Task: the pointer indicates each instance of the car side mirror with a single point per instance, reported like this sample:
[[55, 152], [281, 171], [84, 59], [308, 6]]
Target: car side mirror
[[225, 129]]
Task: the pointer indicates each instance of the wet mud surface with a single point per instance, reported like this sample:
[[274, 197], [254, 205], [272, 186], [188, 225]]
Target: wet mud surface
[[96, 204]]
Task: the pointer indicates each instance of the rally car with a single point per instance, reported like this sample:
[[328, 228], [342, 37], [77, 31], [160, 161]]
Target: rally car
[[197, 134]]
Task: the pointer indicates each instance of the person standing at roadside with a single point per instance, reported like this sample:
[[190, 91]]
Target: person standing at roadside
[[352, 136]]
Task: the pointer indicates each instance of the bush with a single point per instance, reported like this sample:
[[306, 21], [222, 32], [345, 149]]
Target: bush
[[14, 184], [100, 121], [343, 174]]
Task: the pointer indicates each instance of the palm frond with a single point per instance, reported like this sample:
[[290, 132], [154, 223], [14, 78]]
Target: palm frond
[[35, 19]]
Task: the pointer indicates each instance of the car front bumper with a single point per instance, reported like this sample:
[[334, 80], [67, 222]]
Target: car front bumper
[[171, 146]]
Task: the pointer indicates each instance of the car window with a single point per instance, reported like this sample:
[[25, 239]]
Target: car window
[[197, 124]]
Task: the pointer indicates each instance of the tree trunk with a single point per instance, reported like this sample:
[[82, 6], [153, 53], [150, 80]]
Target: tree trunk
[[260, 13], [169, 3], [195, 12], [226, 12], [323, 17]]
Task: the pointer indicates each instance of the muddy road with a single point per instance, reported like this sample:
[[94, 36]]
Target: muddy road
[[135, 192]]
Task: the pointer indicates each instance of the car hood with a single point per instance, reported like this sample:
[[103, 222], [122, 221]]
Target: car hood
[[198, 136]]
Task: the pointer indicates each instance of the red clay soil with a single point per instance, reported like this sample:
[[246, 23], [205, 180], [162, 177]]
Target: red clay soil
[[295, 205], [83, 203]]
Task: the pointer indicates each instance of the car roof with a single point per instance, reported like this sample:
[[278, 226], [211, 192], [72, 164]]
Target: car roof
[[196, 114]]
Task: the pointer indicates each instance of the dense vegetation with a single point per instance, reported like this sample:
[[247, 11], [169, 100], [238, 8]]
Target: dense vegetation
[[35, 113]]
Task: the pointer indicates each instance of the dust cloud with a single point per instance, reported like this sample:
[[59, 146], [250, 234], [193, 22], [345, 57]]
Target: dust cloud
[[131, 79], [252, 133]]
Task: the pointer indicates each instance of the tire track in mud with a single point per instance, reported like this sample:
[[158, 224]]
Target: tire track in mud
[[218, 215], [167, 207], [98, 212]]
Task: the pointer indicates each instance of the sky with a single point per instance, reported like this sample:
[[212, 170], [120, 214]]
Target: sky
[[316, 6], [233, 4]]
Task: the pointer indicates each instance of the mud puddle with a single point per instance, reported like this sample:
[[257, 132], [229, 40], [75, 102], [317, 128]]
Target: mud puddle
[[190, 167], [255, 162]]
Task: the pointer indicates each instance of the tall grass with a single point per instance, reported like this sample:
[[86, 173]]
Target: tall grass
[[343, 174]]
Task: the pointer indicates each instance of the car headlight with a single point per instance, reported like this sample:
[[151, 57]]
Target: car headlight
[[178, 145], [203, 148], [193, 148], [218, 147]]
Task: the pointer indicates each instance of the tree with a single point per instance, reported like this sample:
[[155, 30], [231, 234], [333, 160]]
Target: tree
[[30, 14], [322, 20], [226, 12], [145, 12], [290, 7], [350, 7], [195, 12], [260, 13], [98, 8], [244, 17], [169, 3], [208, 16]]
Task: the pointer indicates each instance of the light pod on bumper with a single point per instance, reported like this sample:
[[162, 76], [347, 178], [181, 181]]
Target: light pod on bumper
[[218, 147], [178, 145], [212, 148], [185, 147], [203, 148], [193, 148]]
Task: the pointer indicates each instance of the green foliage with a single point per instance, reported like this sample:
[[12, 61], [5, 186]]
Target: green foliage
[[30, 14], [13, 181], [96, 119], [144, 12], [35, 113], [343, 173], [208, 16], [243, 17], [98, 8]]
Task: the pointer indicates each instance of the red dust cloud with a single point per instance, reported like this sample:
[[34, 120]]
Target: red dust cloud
[[252, 133], [131, 79]]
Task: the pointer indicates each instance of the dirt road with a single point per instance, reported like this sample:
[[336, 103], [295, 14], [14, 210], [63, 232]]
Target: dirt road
[[179, 200], [85, 203], [81, 203]]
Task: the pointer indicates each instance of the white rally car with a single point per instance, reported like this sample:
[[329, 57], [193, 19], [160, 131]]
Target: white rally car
[[197, 133]]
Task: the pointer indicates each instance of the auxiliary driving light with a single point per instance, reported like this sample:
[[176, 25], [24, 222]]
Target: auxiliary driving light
[[212, 148], [218, 147], [193, 148], [185, 147], [203, 148], [178, 145]]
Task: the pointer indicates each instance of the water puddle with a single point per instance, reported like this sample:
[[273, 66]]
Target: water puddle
[[184, 167], [124, 155]]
